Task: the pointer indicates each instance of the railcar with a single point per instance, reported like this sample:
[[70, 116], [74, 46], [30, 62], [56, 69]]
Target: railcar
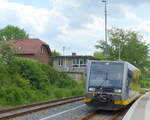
[[111, 85]]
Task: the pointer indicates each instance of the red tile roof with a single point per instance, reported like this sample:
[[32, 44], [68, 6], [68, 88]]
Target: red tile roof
[[29, 46]]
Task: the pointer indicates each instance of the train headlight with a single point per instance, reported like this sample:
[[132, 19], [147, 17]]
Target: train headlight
[[92, 89], [117, 90]]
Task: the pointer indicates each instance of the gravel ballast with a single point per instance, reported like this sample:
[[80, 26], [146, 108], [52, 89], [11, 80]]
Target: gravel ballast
[[64, 112]]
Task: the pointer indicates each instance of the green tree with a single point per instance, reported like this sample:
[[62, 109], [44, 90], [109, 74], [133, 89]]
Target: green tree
[[8, 57], [24, 81], [12, 32], [99, 55], [130, 45], [55, 53]]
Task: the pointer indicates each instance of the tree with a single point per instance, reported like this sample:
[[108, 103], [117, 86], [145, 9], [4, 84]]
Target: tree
[[99, 55], [130, 45], [12, 32], [7, 57], [55, 53]]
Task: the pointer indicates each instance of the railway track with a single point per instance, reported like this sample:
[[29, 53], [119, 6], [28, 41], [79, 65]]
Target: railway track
[[6, 114], [107, 115]]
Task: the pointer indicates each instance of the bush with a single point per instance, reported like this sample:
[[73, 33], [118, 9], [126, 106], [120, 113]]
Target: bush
[[32, 81], [145, 82], [25, 81]]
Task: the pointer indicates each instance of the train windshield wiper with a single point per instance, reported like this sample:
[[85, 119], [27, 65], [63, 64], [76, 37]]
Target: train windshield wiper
[[106, 78]]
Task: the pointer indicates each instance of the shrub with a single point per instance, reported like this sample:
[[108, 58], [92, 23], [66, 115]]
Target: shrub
[[33, 81], [25, 81], [145, 82]]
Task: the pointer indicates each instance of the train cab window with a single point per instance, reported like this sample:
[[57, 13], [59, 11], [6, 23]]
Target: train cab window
[[106, 75]]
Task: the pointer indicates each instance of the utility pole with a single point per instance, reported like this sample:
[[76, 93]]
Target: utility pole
[[64, 56], [106, 47], [64, 50], [119, 52]]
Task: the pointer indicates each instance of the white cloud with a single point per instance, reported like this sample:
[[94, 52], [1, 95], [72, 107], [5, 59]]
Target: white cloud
[[34, 19], [84, 39], [131, 20], [70, 22], [144, 25], [122, 12], [61, 3], [133, 3], [96, 26], [130, 16], [144, 28]]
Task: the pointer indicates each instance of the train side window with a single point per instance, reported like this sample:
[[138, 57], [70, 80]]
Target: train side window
[[130, 76]]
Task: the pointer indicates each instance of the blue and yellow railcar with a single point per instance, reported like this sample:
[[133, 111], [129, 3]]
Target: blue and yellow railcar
[[111, 85]]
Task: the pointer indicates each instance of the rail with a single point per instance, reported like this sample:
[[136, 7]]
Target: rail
[[107, 115], [6, 114]]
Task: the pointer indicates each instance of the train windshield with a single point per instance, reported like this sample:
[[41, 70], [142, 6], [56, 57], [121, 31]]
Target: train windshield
[[106, 74]]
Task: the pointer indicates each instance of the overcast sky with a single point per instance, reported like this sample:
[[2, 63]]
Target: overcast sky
[[75, 24]]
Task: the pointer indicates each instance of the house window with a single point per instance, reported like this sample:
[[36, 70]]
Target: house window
[[60, 62], [82, 62], [75, 62], [42, 50], [79, 62]]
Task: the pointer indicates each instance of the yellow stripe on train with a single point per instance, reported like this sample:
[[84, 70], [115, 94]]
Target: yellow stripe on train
[[86, 100], [127, 101]]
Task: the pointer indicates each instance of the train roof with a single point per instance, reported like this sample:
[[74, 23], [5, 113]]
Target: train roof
[[132, 67], [107, 61]]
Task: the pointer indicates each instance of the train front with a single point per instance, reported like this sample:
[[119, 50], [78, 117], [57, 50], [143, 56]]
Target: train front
[[104, 84]]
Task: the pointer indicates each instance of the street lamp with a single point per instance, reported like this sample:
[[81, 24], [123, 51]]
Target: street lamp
[[105, 49]]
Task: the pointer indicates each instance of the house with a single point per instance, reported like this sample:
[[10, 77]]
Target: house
[[32, 48], [74, 65]]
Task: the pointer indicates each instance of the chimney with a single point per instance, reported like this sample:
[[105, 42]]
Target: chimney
[[73, 54]]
